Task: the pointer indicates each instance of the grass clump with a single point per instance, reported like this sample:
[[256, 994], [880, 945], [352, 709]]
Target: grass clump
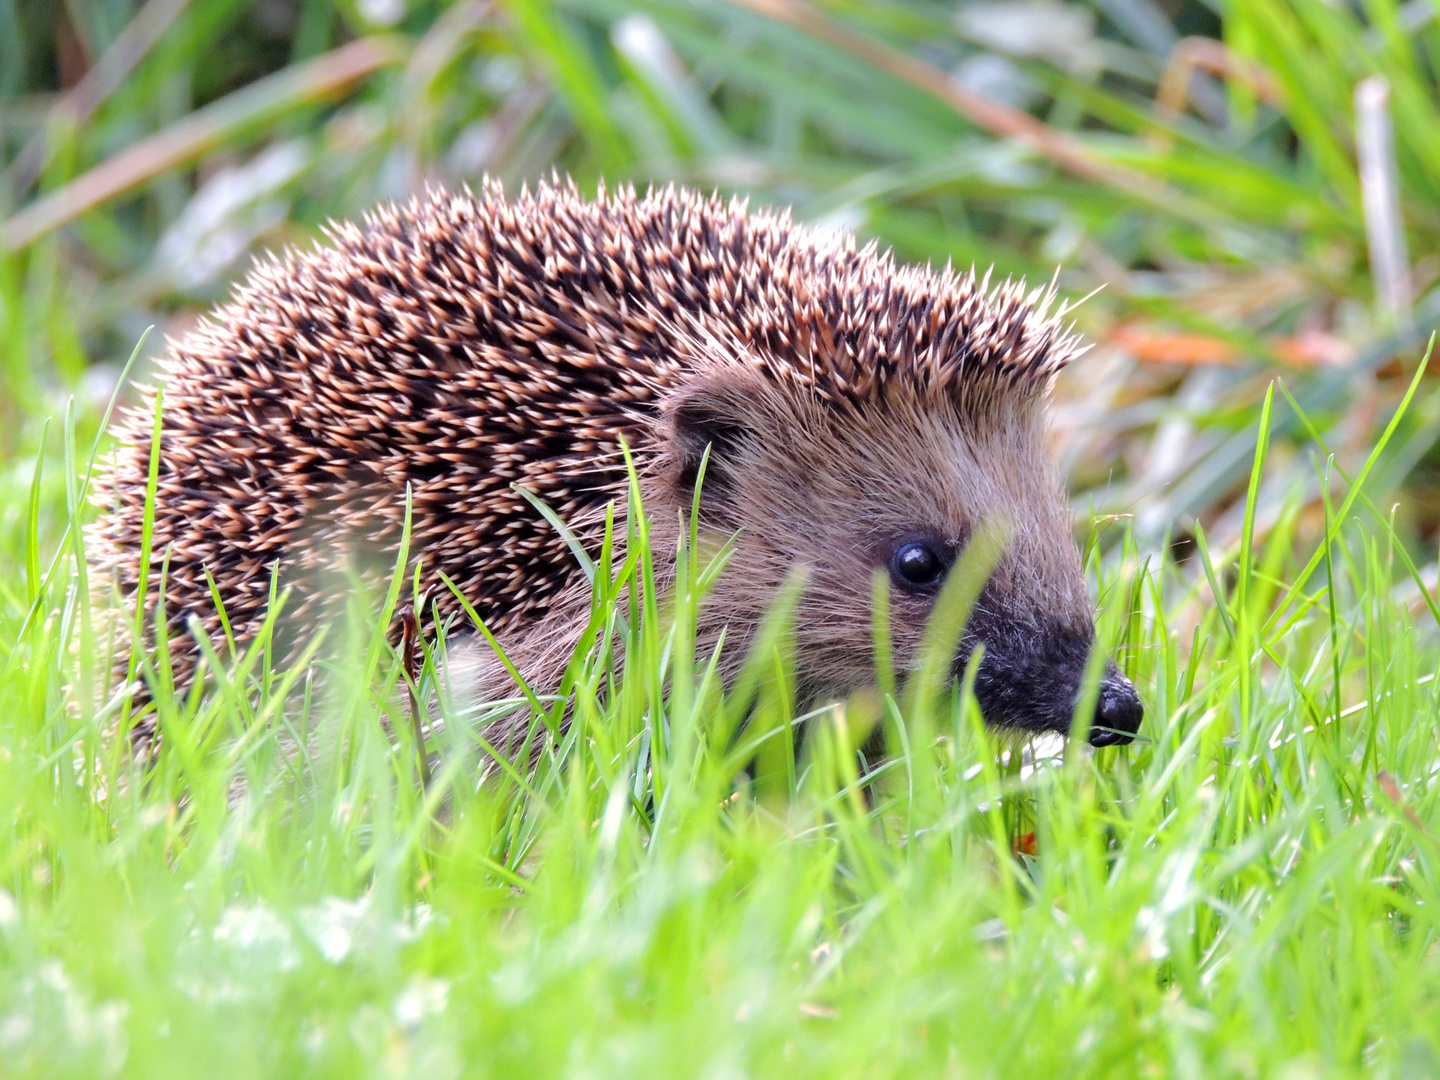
[[664, 889]]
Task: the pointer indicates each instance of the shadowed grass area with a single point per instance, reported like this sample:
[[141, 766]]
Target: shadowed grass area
[[668, 890]]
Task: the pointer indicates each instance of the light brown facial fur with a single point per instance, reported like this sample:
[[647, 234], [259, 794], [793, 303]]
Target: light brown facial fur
[[461, 345]]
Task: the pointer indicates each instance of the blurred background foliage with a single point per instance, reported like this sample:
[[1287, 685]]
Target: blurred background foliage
[[1252, 186]]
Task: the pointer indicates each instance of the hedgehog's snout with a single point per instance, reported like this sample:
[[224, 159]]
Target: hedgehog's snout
[[1118, 711], [1031, 679]]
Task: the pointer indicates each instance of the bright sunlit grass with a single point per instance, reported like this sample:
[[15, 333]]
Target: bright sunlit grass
[[670, 890]]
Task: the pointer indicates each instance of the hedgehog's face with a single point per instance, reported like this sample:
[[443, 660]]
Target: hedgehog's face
[[898, 486]]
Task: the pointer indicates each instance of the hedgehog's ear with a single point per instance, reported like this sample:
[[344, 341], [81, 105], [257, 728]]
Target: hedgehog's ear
[[718, 415]]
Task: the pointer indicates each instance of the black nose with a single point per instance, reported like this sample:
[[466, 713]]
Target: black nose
[[1118, 712]]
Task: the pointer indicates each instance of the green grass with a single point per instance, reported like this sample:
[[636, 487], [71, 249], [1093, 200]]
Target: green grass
[[1251, 888]]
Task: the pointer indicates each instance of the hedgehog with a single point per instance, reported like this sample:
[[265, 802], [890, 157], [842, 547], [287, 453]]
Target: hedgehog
[[851, 414]]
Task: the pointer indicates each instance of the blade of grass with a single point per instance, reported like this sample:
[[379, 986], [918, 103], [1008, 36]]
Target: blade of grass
[[206, 129]]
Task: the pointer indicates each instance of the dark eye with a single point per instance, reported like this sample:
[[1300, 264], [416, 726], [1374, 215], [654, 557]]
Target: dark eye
[[917, 565]]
